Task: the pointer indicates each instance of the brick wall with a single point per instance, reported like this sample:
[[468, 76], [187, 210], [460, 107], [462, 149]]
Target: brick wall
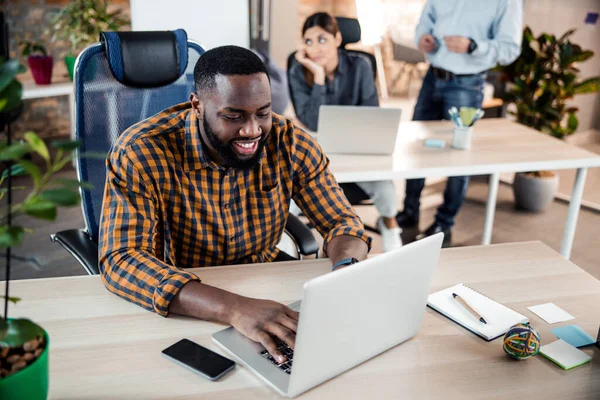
[[29, 20]]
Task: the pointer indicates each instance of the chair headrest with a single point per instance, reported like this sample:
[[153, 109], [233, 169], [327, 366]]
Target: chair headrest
[[146, 59], [350, 30]]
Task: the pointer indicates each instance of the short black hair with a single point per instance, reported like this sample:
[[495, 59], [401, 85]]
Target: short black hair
[[225, 60]]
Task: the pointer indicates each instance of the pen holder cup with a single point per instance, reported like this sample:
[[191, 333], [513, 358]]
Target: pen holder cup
[[461, 137]]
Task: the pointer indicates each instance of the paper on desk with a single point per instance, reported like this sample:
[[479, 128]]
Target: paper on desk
[[573, 335], [563, 354], [551, 313]]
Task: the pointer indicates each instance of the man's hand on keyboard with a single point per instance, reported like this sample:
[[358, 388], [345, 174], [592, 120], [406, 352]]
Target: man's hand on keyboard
[[261, 320]]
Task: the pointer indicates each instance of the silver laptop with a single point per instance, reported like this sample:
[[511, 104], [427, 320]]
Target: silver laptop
[[346, 318], [358, 129]]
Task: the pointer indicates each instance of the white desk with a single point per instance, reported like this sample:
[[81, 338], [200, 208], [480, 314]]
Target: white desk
[[102, 347], [499, 145]]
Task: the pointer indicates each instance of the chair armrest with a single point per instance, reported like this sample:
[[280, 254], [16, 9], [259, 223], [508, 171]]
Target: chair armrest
[[306, 241], [78, 243]]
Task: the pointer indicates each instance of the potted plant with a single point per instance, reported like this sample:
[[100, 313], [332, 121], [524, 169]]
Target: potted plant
[[80, 23], [39, 62], [24, 345], [540, 83]]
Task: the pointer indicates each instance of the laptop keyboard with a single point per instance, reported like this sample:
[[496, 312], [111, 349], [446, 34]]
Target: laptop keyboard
[[286, 351]]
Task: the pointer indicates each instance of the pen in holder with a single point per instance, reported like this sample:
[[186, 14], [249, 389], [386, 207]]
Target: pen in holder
[[461, 137], [463, 125]]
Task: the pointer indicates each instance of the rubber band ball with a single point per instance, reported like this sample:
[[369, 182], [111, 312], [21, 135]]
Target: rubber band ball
[[521, 342]]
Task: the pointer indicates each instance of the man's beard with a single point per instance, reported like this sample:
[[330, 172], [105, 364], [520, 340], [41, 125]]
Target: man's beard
[[227, 153]]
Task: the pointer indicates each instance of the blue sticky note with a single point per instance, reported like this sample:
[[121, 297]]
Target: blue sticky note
[[573, 335], [435, 143]]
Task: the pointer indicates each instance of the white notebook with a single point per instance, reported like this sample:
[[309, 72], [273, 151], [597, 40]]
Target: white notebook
[[499, 318]]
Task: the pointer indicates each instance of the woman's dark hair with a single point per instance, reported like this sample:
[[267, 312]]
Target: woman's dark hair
[[323, 20], [329, 24]]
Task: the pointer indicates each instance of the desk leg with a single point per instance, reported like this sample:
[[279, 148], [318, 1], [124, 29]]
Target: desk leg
[[490, 209], [573, 213]]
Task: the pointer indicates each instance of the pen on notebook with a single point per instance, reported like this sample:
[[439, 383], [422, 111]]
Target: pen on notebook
[[468, 307]]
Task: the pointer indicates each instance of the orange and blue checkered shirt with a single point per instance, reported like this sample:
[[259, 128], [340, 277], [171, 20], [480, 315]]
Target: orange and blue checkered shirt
[[168, 206]]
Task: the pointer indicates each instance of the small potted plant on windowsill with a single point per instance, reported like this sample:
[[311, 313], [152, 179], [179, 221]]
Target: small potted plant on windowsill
[[539, 84], [24, 345], [40, 63], [80, 23]]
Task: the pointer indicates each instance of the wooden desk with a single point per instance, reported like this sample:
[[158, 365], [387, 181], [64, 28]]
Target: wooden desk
[[499, 145], [103, 347]]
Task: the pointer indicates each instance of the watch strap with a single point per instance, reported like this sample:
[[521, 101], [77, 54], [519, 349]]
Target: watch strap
[[345, 261], [472, 46]]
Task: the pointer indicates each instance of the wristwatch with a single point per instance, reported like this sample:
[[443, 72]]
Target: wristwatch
[[345, 261], [472, 46]]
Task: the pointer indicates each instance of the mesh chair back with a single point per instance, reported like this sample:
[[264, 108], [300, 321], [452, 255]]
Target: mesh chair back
[[104, 108]]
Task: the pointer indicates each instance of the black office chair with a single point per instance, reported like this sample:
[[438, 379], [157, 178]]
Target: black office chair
[[351, 33], [126, 78]]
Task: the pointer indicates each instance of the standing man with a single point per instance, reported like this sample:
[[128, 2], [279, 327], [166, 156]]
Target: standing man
[[462, 40]]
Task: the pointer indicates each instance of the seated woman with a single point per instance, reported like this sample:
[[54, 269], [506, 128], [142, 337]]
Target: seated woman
[[326, 74]]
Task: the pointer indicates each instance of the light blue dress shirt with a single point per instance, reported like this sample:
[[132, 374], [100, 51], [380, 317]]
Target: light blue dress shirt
[[495, 25]]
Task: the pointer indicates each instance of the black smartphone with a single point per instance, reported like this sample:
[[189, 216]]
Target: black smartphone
[[199, 359]]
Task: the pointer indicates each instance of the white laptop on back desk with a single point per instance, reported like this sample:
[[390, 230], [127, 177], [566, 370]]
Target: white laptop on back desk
[[346, 318], [358, 129]]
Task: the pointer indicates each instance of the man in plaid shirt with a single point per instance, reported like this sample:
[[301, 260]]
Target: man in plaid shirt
[[209, 182]]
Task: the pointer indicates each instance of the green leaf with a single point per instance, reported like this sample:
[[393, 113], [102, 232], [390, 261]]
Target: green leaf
[[32, 170], [16, 332], [66, 145], [73, 184], [15, 170], [11, 96], [12, 236], [94, 155], [572, 123], [61, 197], [8, 71], [14, 151], [566, 35], [12, 299], [590, 85], [37, 144], [41, 209], [59, 164]]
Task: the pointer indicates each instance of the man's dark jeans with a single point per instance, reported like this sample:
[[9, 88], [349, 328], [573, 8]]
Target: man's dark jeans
[[437, 96]]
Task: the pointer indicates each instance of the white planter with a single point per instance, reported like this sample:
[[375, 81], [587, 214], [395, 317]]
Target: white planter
[[534, 193], [461, 137]]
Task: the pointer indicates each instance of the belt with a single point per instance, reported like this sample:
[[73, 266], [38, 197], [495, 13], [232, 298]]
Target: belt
[[444, 75]]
